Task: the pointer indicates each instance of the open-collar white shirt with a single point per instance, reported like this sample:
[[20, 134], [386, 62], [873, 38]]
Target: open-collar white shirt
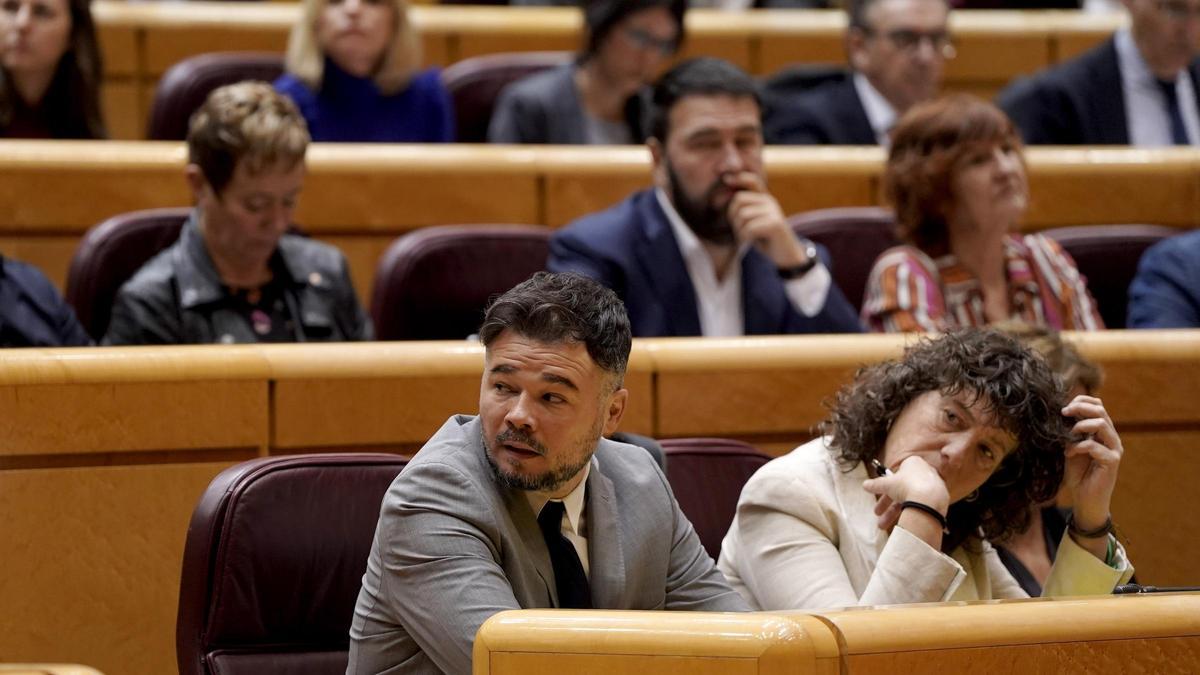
[[1146, 115], [719, 301], [880, 113]]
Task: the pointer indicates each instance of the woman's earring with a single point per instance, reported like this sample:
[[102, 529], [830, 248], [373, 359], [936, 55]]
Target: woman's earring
[[973, 496]]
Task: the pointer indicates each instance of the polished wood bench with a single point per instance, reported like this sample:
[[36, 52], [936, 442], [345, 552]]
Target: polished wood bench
[[140, 41], [361, 197], [1122, 634]]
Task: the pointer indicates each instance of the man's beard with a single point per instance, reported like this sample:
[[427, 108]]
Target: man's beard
[[545, 482], [706, 221]]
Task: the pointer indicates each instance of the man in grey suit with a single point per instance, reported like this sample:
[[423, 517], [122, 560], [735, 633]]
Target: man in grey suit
[[527, 505]]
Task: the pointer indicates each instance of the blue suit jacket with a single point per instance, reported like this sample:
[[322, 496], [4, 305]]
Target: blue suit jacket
[[1166, 291], [1079, 102], [828, 114], [631, 249]]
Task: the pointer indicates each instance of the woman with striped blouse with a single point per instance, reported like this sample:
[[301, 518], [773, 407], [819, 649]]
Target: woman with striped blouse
[[956, 177]]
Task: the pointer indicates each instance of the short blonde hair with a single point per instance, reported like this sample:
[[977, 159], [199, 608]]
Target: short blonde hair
[[401, 58], [246, 122]]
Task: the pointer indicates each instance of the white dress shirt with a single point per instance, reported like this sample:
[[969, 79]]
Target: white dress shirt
[[880, 113], [1146, 114], [719, 301], [574, 527]]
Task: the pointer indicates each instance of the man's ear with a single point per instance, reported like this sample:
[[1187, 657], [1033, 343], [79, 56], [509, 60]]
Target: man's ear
[[856, 48], [196, 181], [615, 411], [658, 163]]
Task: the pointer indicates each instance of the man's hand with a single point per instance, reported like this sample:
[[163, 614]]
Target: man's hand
[[757, 218]]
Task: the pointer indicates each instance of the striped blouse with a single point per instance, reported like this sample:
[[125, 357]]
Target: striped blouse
[[909, 291]]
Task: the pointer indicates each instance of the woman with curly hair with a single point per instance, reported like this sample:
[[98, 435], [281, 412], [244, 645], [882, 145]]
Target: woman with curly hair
[[956, 177], [924, 460]]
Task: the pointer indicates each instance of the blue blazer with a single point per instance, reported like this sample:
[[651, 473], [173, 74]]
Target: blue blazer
[[1166, 291], [631, 249]]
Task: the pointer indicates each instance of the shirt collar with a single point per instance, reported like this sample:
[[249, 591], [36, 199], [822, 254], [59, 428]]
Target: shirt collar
[[1131, 63], [880, 113], [573, 503]]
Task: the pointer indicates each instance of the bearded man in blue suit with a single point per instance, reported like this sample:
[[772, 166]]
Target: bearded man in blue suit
[[708, 250]]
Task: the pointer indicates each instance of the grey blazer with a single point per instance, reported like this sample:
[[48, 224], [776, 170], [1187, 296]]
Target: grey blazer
[[545, 108], [453, 547]]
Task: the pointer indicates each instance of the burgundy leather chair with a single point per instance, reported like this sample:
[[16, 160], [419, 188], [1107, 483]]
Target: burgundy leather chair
[[1108, 256], [273, 563], [475, 83], [434, 283], [110, 253], [185, 86], [707, 475], [855, 236]]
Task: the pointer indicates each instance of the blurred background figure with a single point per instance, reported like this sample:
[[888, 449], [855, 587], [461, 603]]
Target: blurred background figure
[[602, 97], [897, 50], [353, 69], [49, 70], [956, 176], [236, 275]]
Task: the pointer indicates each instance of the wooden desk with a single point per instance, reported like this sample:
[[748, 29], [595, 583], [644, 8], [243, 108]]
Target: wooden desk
[[361, 197]]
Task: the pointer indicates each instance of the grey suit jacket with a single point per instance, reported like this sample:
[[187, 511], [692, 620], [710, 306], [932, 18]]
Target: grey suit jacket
[[453, 547]]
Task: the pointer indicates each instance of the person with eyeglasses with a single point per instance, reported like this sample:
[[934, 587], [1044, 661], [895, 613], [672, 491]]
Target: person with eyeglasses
[[897, 51], [600, 98], [1141, 87]]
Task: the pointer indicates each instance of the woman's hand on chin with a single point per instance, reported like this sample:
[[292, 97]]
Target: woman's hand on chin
[[914, 480]]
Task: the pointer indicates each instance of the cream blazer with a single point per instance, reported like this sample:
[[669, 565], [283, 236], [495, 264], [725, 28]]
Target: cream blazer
[[805, 537]]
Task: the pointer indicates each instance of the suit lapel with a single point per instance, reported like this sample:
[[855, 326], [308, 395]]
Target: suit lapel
[[605, 555], [525, 522], [852, 115], [1112, 125], [662, 263]]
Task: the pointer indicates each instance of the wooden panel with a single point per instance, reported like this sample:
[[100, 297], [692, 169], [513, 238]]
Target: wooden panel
[[1097, 186], [993, 46], [122, 110], [786, 37], [1164, 656], [91, 560], [1159, 473], [52, 255], [113, 417], [363, 254], [118, 47], [1076, 32]]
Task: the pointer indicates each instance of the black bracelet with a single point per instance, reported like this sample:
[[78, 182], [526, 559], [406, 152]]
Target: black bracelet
[[1101, 531], [933, 513]]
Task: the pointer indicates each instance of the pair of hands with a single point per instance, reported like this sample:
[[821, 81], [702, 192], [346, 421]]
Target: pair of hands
[[757, 218], [1090, 475]]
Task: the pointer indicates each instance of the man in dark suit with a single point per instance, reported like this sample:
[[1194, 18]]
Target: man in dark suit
[[897, 51], [708, 251], [1138, 88]]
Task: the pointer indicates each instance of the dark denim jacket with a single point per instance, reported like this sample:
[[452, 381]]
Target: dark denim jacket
[[178, 298], [32, 313]]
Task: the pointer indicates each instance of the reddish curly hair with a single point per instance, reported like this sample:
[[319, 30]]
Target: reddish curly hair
[[930, 143]]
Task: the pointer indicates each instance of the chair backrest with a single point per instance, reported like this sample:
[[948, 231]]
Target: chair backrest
[[273, 563], [855, 236], [1108, 256], [474, 84], [707, 475], [185, 86], [110, 253], [434, 283]]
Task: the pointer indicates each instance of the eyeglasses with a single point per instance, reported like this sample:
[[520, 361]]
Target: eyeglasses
[[911, 40], [643, 40], [1177, 10]]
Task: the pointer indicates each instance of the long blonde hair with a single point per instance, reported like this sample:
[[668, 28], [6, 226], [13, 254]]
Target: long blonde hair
[[401, 58]]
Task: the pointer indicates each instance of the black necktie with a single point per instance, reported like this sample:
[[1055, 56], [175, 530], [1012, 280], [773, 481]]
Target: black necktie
[[573, 589], [1178, 131]]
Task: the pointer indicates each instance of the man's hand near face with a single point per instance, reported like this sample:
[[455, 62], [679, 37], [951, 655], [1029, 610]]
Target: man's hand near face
[[757, 218]]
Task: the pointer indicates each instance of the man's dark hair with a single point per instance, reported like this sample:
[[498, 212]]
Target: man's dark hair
[[601, 16], [703, 76], [556, 308], [1013, 383], [856, 13]]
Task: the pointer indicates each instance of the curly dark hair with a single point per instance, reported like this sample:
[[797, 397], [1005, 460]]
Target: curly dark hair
[[1015, 385]]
